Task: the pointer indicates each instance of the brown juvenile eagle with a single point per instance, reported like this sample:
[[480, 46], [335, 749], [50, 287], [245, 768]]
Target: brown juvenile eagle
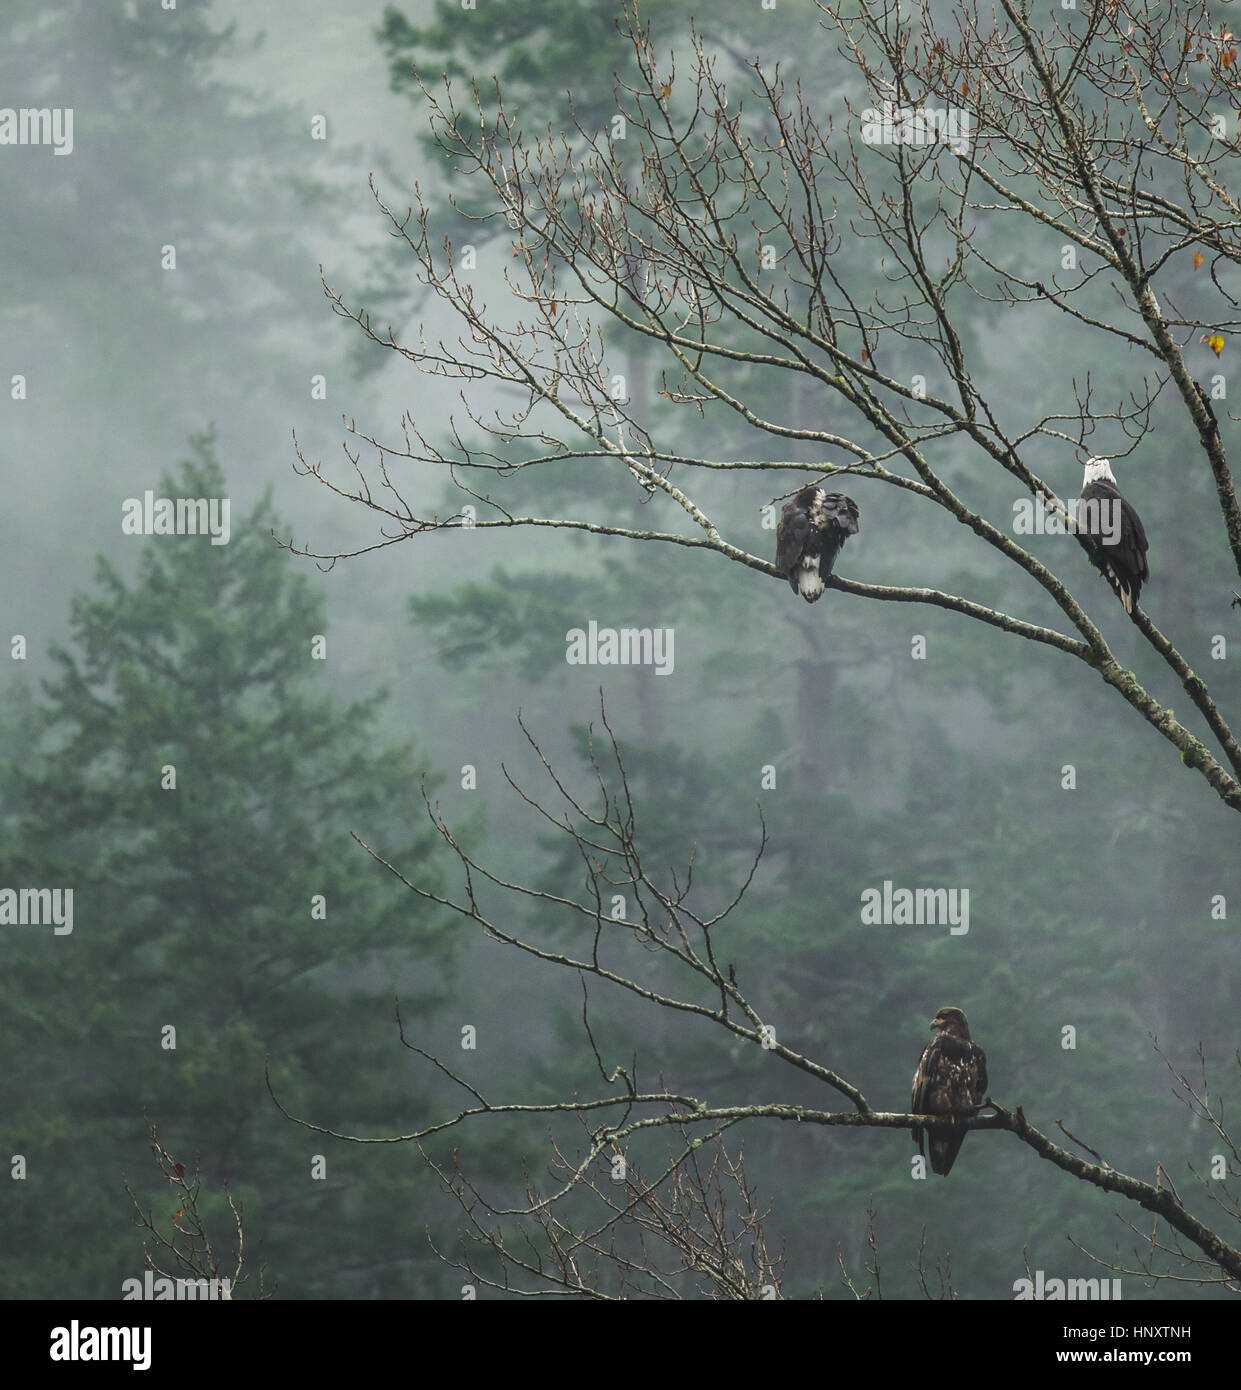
[[951, 1079], [812, 528]]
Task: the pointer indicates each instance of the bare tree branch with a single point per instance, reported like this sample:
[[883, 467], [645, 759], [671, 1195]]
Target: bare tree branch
[[714, 234], [621, 1112]]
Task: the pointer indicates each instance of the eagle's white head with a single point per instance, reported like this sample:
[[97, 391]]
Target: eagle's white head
[[1097, 470]]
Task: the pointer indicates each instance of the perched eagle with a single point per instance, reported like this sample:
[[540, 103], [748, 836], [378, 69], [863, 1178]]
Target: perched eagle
[[951, 1079], [813, 527], [1117, 543]]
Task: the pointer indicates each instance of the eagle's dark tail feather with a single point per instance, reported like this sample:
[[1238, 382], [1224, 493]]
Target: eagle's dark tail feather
[[944, 1149]]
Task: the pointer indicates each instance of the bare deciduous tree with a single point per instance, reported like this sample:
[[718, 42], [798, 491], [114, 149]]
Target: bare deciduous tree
[[715, 235], [180, 1247], [691, 1214]]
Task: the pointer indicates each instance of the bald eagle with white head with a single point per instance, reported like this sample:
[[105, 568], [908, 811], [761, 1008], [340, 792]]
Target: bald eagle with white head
[[1117, 539], [811, 531], [951, 1080]]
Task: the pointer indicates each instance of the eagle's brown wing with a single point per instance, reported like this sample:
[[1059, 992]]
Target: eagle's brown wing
[[919, 1102], [980, 1075], [791, 535]]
